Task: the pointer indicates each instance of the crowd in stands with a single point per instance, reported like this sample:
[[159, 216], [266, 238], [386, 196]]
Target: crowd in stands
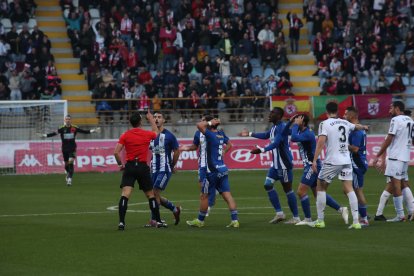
[[362, 45], [27, 70], [201, 52], [194, 55]]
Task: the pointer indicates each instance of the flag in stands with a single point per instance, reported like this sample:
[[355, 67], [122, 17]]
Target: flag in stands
[[291, 104], [373, 106], [319, 104]]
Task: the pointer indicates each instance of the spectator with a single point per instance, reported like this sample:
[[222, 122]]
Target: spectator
[[284, 87], [14, 85], [266, 36], [342, 86], [4, 92], [381, 86], [156, 103], [355, 86], [388, 64], [225, 45], [401, 66], [335, 67], [268, 56], [397, 86], [126, 29]]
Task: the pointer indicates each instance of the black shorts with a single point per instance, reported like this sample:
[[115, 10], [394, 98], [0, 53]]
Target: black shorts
[[137, 171], [68, 154]]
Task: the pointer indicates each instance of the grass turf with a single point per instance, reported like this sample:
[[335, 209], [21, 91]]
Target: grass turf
[[47, 228]]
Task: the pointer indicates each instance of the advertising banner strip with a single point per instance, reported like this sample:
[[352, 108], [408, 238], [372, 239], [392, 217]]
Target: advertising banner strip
[[34, 158]]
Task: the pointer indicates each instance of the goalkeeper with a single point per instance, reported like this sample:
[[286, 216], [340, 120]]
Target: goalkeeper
[[68, 134]]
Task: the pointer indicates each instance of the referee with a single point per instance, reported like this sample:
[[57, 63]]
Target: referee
[[136, 143]]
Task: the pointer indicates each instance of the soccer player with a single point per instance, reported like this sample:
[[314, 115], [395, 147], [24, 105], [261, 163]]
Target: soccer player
[[199, 142], [281, 168], [165, 154], [67, 134], [398, 143], [357, 147], [305, 138], [334, 133], [217, 172], [136, 144]]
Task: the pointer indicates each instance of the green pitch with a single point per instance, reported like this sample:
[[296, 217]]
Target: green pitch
[[47, 228]]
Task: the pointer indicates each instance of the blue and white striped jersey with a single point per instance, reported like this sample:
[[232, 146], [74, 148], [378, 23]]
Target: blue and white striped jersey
[[200, 141], [162, 148], [279, 145]]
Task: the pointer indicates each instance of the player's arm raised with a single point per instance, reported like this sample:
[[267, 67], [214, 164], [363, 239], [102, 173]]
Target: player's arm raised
[[151, 120], [202, 125]]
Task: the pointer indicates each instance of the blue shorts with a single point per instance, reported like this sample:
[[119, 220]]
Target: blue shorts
[[160, 180], [284, 176], [309, 177], [358, 178], [202, 175], [216, 181]]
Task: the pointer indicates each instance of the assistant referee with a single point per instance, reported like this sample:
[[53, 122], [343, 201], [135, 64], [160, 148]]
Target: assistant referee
[[136, 143]]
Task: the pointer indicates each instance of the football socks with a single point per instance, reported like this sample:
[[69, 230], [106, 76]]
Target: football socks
[[274, 199], [122, 208]]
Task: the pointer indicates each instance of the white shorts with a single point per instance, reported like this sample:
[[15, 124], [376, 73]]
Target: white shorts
[[396, 169], [329, 172]]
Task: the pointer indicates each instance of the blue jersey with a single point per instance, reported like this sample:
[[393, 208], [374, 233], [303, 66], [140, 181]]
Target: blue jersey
[[215, 143], [162, 148], [200, 141], [306, 143], [358, 138], [279, 145]]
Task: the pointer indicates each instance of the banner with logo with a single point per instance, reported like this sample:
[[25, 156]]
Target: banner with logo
[[291, 104], [373, 106], [97, 156], [319, 105]]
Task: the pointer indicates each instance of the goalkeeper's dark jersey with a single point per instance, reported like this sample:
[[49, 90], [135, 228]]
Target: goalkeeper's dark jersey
[[68, 135]]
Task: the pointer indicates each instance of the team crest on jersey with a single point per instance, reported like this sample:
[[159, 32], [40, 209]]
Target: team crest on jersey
[[373, 106], [290, 107]]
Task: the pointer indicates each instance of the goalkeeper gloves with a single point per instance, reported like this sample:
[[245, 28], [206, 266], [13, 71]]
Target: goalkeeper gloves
[[97, 130], [41, 135]]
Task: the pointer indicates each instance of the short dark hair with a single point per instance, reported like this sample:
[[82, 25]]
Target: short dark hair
[[399, 104], [68, 116], [352, 109], [332, 107], [135, 119], [407, 112], [279, 111], [208, 117]]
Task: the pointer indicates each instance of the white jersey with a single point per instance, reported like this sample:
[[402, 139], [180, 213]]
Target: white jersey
[[337, 133], [402, 128]]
